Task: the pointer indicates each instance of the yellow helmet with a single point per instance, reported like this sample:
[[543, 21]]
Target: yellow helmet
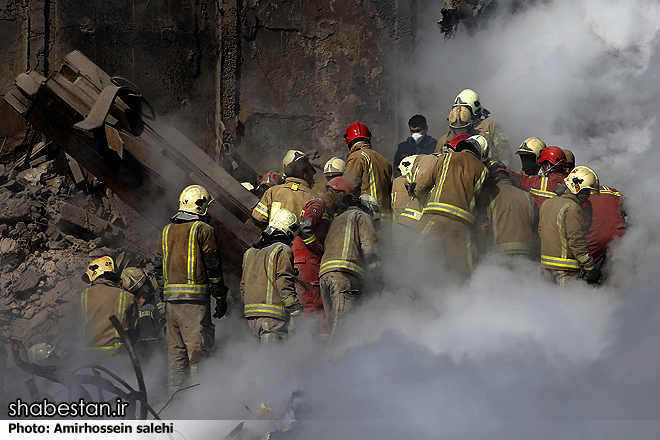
[[469, 98], [132, 278], [582, 178], [195, 199], [406, 164], [98, 267], [459, 117], [292, 156], [285, 221], [532, 145], [334, 166], [39, 352]]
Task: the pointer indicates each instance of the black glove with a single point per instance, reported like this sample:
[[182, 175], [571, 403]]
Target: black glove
[[219, 292], [220, 308], [411, 189], [592, 276]]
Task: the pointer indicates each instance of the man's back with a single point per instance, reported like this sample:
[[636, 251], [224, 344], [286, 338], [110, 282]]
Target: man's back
[[369, 173], [511, 220]]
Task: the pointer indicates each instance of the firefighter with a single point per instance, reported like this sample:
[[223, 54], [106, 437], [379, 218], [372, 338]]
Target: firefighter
[[456, 181], [368, 171], [570, 160], [293, 194], [334, 167], [511, 217], [406, 209], [529, 153], [480, 124], [450, 146], [419, 141], [188, 269], [268, 180], [552, 173], [562, 228], [308, 248], [351, 249], [102, 299], [268, 280], [606, 220], [151, 310]]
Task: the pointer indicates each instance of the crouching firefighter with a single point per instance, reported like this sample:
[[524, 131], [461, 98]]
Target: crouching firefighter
[[351, 248], [268, 283], [151, 310], [188, 269]]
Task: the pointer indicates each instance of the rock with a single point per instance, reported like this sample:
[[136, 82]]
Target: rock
[[7, 245], [29, 313], [56, 245], [103, 251], [13, 186], [15, 209], [27, 282]]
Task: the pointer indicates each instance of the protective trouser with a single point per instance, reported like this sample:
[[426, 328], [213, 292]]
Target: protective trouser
[[308, 289], [561, 277], [452, 240], [190, 335], [269, 331], [341, 292]]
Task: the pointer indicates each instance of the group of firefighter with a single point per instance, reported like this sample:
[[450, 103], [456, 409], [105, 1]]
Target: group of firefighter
[[455, 200]]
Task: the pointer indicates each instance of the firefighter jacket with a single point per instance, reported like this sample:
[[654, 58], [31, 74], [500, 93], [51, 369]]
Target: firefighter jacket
[[499, 148], [442, 143], [369, 173], [293, 195], [314, 224], [606, 220], [319, 187], [268, 282], [456, 182], [102, 299], [562, 228], [188, 265], [351, 244], [541, 188], [511, 220], [406, 210], [410, 147]]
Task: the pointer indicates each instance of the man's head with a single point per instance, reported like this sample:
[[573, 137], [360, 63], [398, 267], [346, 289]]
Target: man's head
[[195, 199], [570, 160], [101, 267], [418, 127], [335, 167], [460, 119], [552, 159], [296, 164], [582, 182], [529, 152], [337, 189], [356, 132]]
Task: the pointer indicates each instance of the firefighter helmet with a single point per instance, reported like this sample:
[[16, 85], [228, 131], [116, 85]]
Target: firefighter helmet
[[459, 117], [484, 148], [582, 178], [570, 158], [406, 164], [532, 145], [132, 278], [39, 351], [292, 156], [371, 205], [98, 267], [472, 145], [285, 221], [356, 130], [340, 183], [554, 155], [195, 199], [271, 178], [334, 166], [469, 98], [456, 139]]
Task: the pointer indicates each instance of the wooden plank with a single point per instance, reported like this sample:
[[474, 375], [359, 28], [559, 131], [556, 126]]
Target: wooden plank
[[87, 69], [18, 103], [76, 172]]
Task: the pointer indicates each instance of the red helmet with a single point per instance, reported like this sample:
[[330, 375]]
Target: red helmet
[[456, 139], [357, 130], [340, 184], [554, 155], [270, 178]]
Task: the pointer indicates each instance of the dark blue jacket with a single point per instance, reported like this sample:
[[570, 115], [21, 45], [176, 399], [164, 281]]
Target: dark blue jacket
[[410, 147]]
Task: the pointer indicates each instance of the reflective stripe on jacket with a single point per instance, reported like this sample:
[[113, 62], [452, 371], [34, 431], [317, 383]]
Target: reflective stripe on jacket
[[293, 195], [369, 173], [406, 210]]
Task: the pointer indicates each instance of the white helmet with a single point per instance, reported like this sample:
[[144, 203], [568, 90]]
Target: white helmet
[[285, 221], [372, 206], [405, 167], [469, 98], [334, 166], [484, 149], [582, 178], [291, 156], [532, 145], [195, 199]]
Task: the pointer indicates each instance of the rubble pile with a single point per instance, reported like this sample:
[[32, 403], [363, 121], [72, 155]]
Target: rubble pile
[[50, 228]]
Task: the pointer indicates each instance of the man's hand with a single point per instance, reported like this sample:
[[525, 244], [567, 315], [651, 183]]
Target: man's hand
[[592, 276], [220, 308]]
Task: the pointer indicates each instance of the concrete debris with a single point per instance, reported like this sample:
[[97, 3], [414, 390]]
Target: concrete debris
[[471, 13]]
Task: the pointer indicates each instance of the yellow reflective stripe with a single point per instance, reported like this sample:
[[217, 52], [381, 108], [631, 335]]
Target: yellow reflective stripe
[[289, 301], [538, 192], [146, 313], [583, 261], [191, 252], [511, 246], [608, 190], [331, 265], [165, 252], [450, 209], [347, 235], [106, 350], [275, 207], [309, 240], [427, 228], [411, 213], [259, 308], [325, 216], [372, 182], [271, 280], [480, 182], [262, 209], [215, 280], [560, 218], [393, 200], [443, 176], [200, 289], [547, 260]]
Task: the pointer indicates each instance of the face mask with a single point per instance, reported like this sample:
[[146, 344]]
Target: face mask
[[417, 137]]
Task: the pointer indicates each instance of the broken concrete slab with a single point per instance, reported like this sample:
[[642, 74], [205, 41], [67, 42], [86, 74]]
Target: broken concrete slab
[[26, 283], [77, 220]]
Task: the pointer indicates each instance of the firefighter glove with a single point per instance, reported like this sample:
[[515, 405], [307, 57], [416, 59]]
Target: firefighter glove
[[220, 309], [219, 292], [592, 276]]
